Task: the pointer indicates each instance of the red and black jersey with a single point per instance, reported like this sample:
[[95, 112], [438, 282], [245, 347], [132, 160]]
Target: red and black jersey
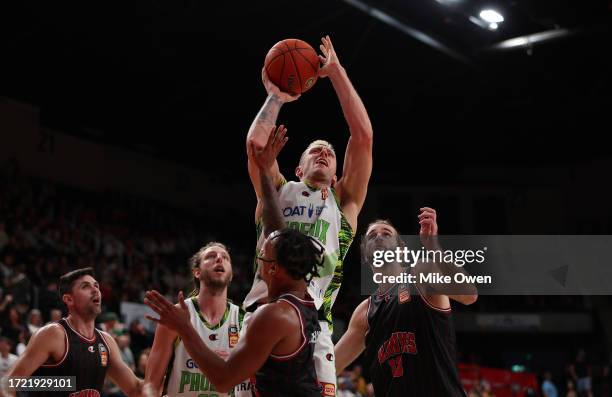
[[85, 358], [293, 374], [411, 346]]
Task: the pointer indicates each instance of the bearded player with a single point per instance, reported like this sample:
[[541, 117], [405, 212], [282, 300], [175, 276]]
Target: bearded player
[[406, 330], [216, 320]]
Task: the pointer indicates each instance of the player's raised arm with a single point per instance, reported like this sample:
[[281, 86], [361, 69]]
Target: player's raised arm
[[259, 131], [352, 343], [465, 293], [266, 329], [161, 352], [353, 185], [264, 159]]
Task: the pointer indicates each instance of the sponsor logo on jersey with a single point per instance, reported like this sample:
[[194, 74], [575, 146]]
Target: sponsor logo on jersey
[[329, 357], [317, 230], [329, 389], [305, 194], [91, 349], [194, 381], [103, 354], [212, 337], [191, 364], [85, 393], [298, 210], [392, 350], [233, 335], [314, 336]]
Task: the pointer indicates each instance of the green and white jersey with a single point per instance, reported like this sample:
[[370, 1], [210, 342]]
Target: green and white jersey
[[185, 379], [318, 215]]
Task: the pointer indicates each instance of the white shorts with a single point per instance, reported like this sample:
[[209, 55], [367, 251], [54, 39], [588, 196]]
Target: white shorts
[[324, 359]]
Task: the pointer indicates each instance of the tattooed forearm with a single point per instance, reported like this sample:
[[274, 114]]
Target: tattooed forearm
[[269, 111]]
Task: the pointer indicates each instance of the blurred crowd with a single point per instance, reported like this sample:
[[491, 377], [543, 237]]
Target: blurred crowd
[[134, 244]]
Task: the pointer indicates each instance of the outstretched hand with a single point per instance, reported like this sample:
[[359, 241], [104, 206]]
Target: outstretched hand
[[429, 227], [171, 316], [265, 157], [329, 59], [272, 89]]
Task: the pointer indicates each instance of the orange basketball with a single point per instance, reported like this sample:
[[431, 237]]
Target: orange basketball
[[292, 65]]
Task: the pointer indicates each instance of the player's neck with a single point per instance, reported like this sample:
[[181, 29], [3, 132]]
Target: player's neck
[[316, 184], [212, 304], [294, 288], [81, 325]]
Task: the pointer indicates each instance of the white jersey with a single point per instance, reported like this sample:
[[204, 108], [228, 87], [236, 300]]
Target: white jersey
[[185, 379], [315, 213]]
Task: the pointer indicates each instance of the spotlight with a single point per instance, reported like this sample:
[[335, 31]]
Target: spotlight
[[491, 16]]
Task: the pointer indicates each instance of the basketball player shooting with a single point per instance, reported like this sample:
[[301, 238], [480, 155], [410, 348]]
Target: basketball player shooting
[[278, 346], [319, 205], [216, 320], [406, 330], [73, 347]]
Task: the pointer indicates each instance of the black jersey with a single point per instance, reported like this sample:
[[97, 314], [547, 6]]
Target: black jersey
[[293, 374], [87, 359], [411, 346]]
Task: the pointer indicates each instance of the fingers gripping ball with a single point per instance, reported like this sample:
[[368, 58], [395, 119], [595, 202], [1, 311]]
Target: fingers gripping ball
[[292, 65]]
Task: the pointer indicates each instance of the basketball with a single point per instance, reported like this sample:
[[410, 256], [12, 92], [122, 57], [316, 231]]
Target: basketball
[[292, 65]]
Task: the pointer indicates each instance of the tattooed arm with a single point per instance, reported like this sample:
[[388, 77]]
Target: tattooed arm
[[259, 133]]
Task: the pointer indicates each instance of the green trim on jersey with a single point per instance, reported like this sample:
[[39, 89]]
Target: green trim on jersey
[[346, 236], [206, 324]]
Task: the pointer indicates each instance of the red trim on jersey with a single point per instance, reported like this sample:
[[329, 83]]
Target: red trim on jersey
[[367, 317], [307, 302], [84, 338], [436, 308], [290, 356], [105, 344], [65, 353]]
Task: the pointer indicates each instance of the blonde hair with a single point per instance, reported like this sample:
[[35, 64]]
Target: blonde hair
[[318, 142]]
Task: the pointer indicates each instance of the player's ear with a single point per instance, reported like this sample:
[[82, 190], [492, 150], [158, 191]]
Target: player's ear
[[67, 298], [334, 180], [196, 272], [298, 171]]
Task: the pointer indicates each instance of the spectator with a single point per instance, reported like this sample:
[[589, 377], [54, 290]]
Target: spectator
[[12, 325], [344, 387], [580, 373], [24, 337], [548, 387], [140, 337], [55, 315], [6, 358], [111, 324], [571, 389], [359, 381], [123, 341], [141, 367], [34, 321]]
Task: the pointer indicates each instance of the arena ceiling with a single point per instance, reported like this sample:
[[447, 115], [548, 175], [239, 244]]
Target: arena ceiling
[[444, 88]]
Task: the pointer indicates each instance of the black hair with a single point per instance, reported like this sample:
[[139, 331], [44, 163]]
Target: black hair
[[300, 255], [66, 282]]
